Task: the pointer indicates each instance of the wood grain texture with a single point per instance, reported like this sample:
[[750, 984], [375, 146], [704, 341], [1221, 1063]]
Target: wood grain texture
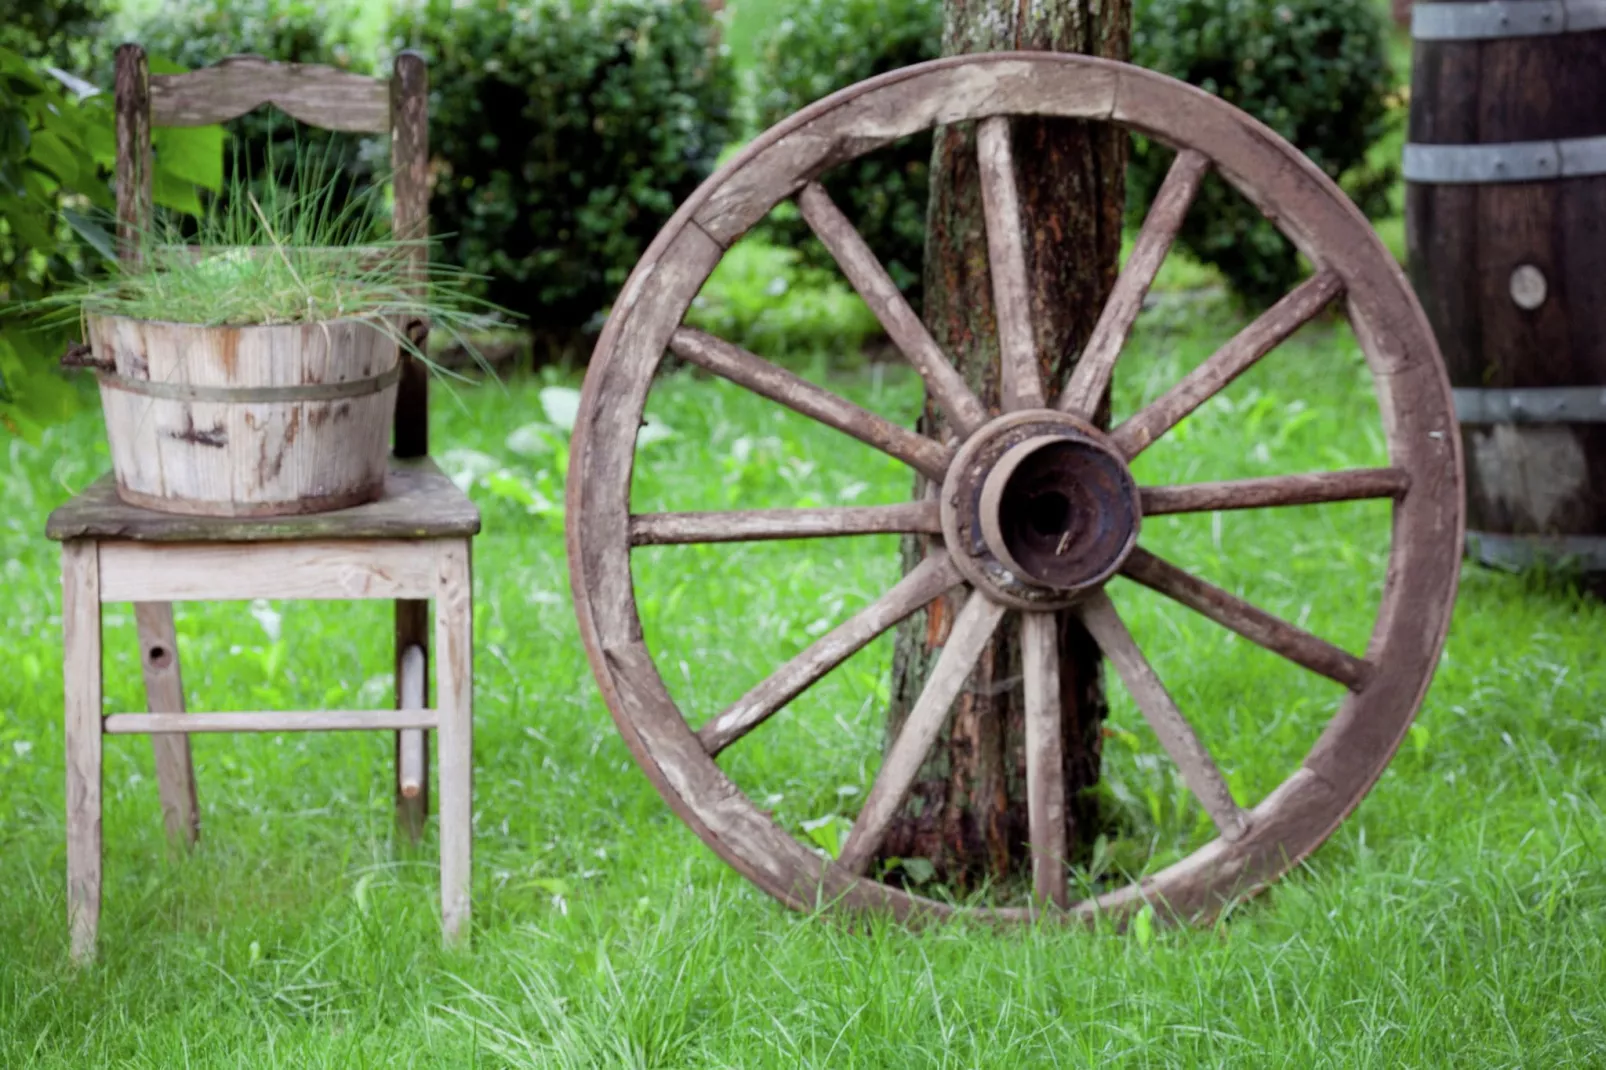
[[164, 693], [131, 98], [929, 579], [412, 755], [245, 458], [1199, 771], [136, 724], [1045, 756], [1021, 380], [971, 631], [226, 572], [81, 669], [852, 122], [1465, 242], [1268, 331], [671, 529], [1314, 488], [410, 184], [318, 96], [418, 502], [454, 695], [413, 633], [798, 394], [1091, 376], [1249, 621], [1398, 346], [944, 384]]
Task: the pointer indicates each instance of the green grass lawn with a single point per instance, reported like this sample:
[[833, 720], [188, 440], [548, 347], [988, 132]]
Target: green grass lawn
[[1459, 918]]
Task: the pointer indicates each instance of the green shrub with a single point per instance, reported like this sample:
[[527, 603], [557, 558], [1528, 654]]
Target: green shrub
[[1315, 71], [819, 47], [56, 149], [565, 133], [57, 31], [199, 33]]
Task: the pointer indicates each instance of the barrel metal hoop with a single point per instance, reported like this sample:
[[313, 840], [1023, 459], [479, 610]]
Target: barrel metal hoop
[[1533, 405], [1498, 19], [1514, 553], [1509, 161], [253, 394]]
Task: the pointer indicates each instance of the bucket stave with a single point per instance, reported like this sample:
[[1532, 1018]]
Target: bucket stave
[[254, 421], [1506, 239]]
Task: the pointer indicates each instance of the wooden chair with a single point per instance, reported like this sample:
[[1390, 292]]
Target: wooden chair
[[411, 546]]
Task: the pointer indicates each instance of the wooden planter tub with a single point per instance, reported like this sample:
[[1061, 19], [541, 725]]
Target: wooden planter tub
[[246, 421]]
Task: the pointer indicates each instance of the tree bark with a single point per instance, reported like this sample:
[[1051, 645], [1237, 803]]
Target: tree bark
[[966, 813]]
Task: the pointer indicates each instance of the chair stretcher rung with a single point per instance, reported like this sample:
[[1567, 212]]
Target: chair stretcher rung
[[124, 724]]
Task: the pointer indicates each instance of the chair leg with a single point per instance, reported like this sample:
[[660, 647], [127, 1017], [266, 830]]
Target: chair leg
[[164, 693], [454, 668], [81, 647], [412, 747]]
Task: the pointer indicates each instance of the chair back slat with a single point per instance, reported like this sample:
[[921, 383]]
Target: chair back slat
[[318, 96]]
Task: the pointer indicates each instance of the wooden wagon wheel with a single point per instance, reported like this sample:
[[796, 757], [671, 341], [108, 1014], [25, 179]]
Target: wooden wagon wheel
[[1037, 507]]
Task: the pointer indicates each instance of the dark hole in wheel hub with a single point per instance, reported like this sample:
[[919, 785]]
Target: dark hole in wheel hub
[[1059, 511]]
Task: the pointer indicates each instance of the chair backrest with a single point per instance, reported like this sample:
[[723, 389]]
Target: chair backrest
[[315, 95]]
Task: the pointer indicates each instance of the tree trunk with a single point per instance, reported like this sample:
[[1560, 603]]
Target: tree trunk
[[966, 813]]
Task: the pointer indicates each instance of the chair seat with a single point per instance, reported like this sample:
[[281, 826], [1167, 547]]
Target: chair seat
[[419, 502]]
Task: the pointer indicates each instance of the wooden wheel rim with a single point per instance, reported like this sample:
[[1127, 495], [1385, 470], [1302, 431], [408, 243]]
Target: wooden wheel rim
[[1411, 386]]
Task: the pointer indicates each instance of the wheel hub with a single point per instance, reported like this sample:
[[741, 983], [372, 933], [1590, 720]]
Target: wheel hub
[[1039, 509]]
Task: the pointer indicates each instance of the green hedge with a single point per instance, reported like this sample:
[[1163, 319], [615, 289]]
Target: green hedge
[[56, 152], [1314, 70], [565, 135], [56, 31], [821, 46]]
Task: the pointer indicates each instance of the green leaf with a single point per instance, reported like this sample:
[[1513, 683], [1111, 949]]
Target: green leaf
[[1143, 927], [828, 833], [30, 222], [64, 161], [171, 192], [92, 232], [191, 153]]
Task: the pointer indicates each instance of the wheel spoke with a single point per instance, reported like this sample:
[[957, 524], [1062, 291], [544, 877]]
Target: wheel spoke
[[672, 529], [943, 381], [1022, 381], [1176, 735], [1045, 756], [1249, 621], [1091, 377], [1227, 363], [973, 627], [798, 394], [924, 583], [1314, 488]]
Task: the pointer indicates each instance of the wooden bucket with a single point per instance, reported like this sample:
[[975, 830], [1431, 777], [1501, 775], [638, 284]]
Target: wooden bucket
[[246, 421], [1506, 235]]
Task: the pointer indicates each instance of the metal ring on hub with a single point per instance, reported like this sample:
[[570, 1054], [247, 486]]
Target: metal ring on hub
[[1060, 511]]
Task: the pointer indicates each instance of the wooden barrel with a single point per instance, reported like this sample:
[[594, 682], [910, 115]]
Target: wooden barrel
[[1506, 236], [246, 421]]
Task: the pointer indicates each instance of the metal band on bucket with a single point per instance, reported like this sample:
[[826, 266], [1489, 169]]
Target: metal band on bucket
[[253, 394]]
